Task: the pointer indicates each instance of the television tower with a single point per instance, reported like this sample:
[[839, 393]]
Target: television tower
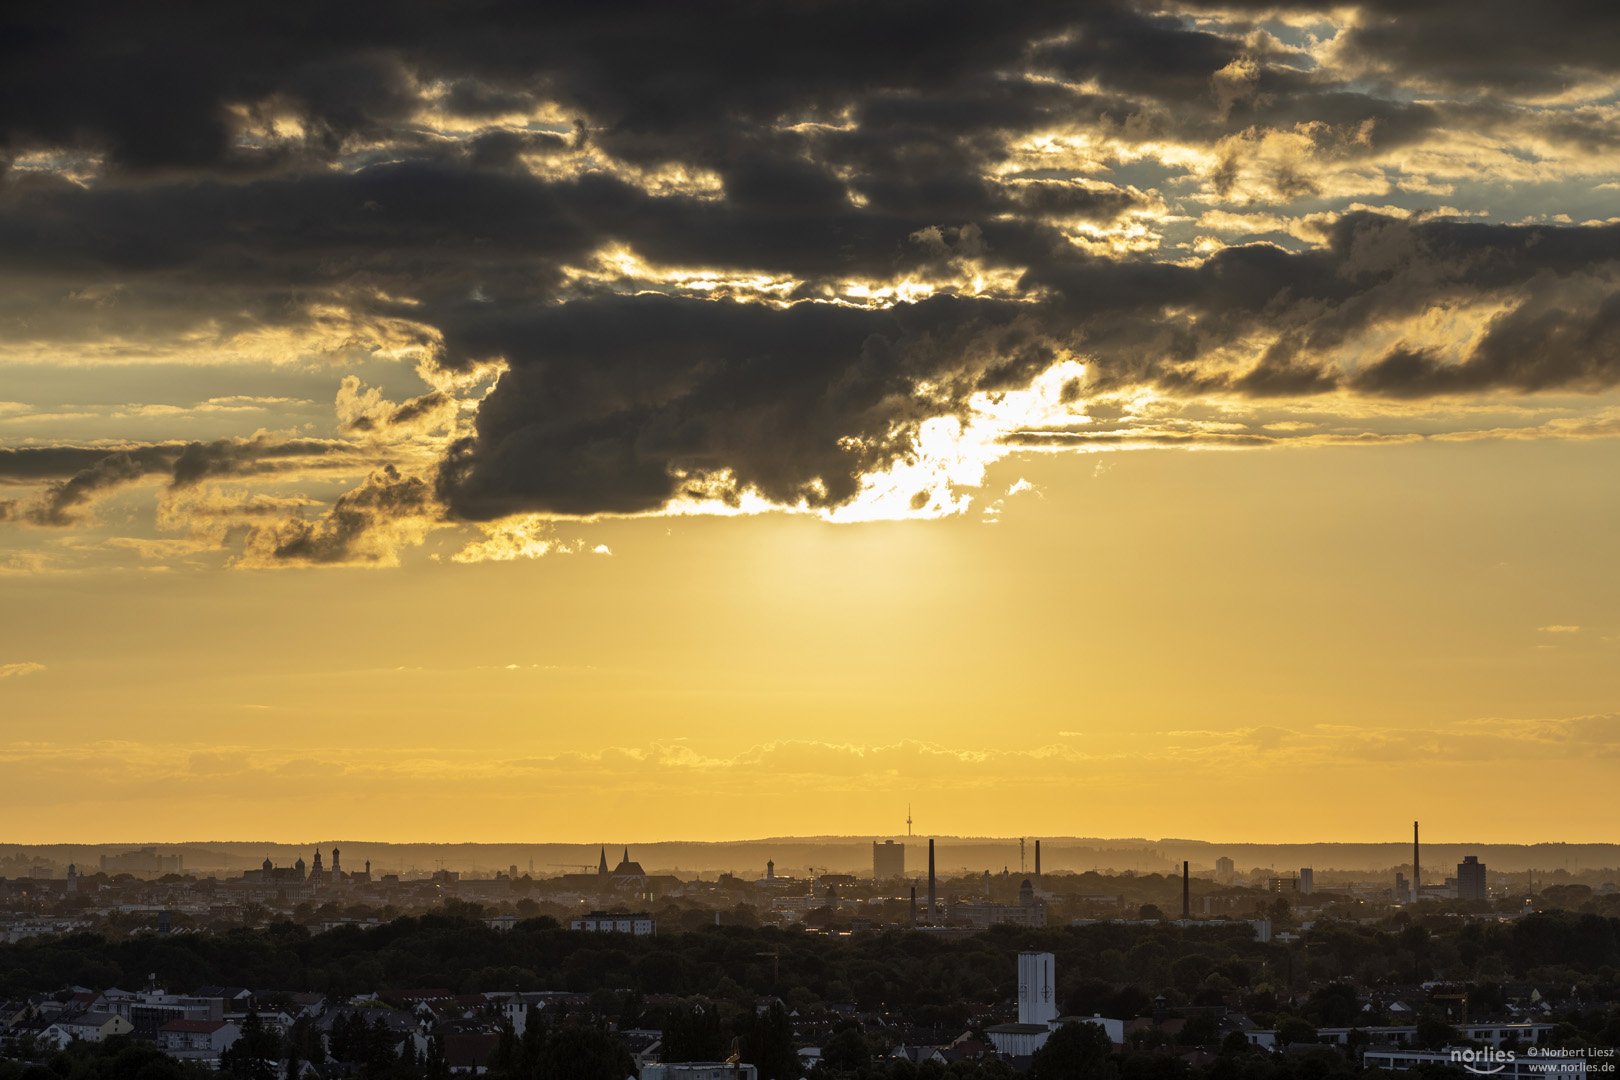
[[908, 820]]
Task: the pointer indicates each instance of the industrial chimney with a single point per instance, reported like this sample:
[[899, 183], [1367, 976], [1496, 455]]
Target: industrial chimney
[[930, 879], [1186, 892], [1037, 862], [1417, 878]]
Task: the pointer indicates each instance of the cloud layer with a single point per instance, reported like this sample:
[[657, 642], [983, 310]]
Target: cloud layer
[[835, 259]]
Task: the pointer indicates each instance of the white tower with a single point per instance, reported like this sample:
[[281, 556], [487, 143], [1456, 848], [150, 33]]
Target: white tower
[[1037, 988]]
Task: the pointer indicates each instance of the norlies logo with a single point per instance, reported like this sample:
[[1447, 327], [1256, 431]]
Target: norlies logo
[[1484, 1062]]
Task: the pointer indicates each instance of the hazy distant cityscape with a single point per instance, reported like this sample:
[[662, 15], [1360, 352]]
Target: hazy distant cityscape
[[190, 886], [1376, 969]]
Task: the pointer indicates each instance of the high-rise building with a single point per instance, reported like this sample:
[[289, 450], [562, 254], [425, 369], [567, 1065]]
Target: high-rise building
[[1225, 870], [1307, 881], [1471, 879], [888, 860]]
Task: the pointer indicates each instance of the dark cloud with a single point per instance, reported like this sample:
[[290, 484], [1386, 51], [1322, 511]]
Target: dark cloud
[[63, 502], [1492, 48], [364, 527], [75, 477], [32, 464], [261, 455], [606, 404], [261, 166], [1534, 347]]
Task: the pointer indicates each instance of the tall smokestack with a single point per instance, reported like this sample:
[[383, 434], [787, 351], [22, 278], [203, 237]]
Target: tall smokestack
[[930, 878], [1186, 892], [1417, 878], [1037, 862]]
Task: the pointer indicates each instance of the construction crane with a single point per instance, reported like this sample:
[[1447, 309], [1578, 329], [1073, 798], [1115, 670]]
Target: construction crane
[[1461, 999]]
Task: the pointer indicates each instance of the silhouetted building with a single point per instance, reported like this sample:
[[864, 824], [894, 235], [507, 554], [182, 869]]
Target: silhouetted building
[[271, 874], [1029, 911], [1307, 881], [1471, 879], [1225, 870], [628, 874], [888, 860]]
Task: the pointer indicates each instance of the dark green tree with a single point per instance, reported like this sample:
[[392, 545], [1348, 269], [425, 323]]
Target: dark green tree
[[1295, 1029], [584, 1053], [847, 1050], [693, 1034], [1434, 1033], [437, 1067], [256, 1053], [1074, 1052], [767, 1044]]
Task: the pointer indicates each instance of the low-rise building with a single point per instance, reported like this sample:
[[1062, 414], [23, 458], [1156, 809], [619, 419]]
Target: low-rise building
[[983, 916], [1405, 1034], [197, 1040], [698, 1070], [638, 923], [1498, 1064], [85, 1027]]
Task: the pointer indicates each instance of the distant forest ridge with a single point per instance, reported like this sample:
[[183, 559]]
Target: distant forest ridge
[[803, 856]]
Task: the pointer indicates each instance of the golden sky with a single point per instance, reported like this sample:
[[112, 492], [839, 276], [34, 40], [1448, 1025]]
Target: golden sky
[[1134, 421]]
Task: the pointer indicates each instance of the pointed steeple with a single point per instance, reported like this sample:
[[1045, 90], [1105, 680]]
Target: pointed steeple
[[601, 867], [626, 856]]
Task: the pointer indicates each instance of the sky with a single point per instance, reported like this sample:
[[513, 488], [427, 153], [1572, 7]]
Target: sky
[[492, 422]]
